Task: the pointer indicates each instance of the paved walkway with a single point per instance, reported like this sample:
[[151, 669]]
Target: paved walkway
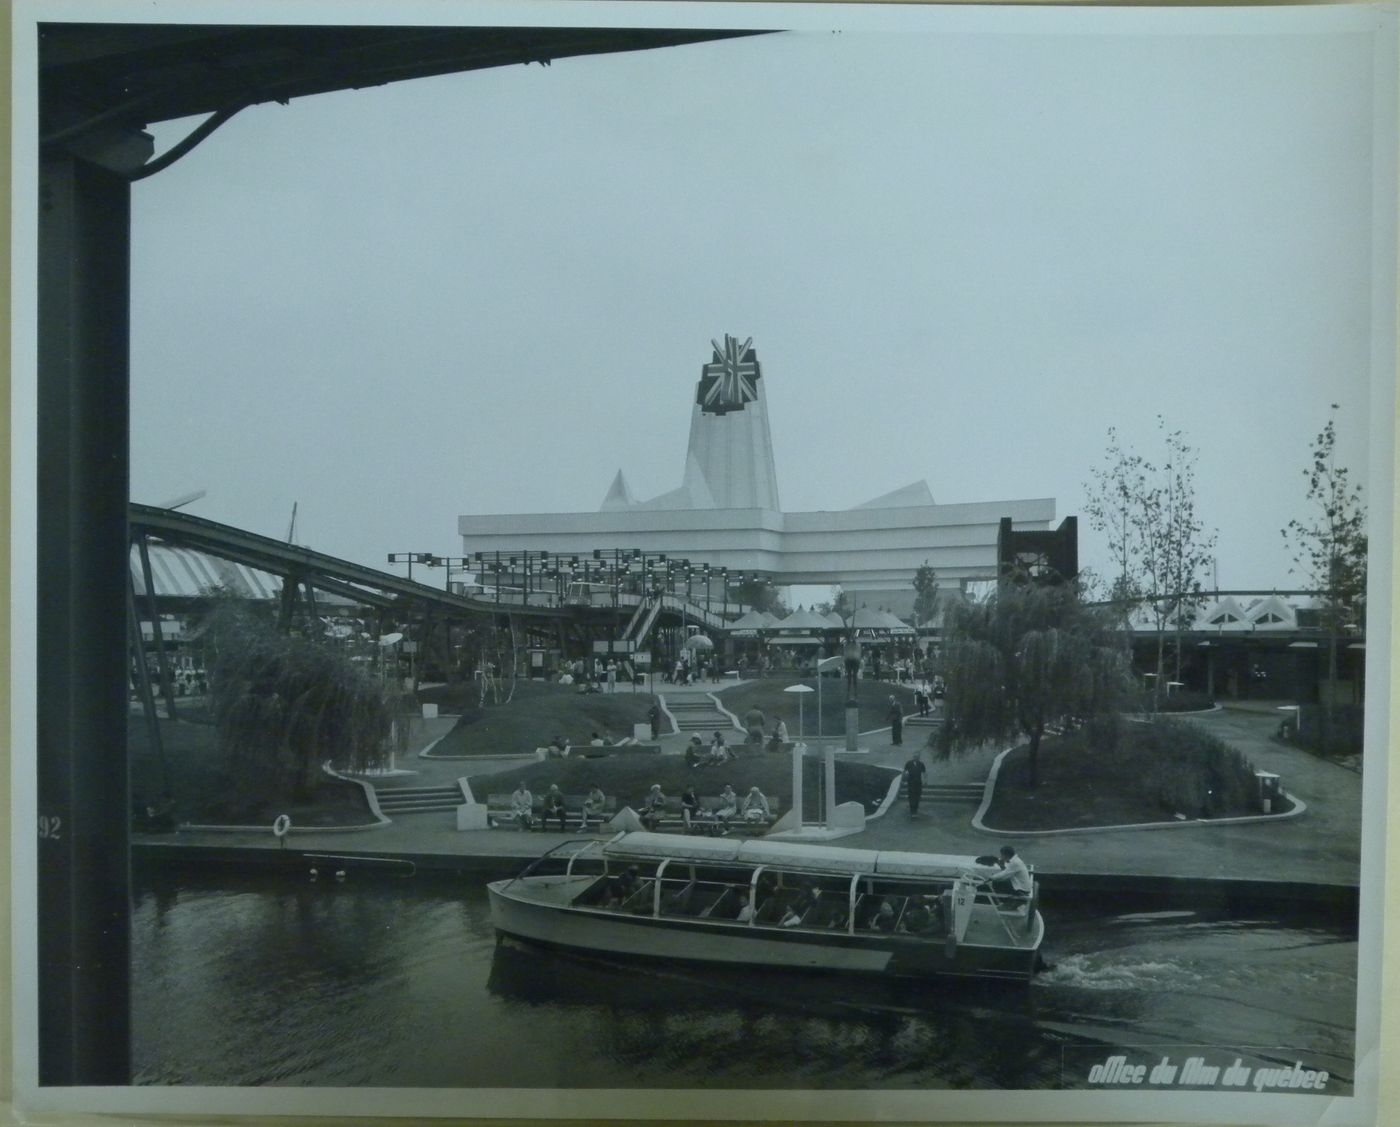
[[1322, 846]]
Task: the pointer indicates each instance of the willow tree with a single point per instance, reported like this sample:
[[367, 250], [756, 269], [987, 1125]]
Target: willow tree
[[284, 705], [1027, 659]]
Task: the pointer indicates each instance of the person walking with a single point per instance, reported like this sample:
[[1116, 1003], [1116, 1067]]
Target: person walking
[[914, 783], [896, 719], [654, 716]]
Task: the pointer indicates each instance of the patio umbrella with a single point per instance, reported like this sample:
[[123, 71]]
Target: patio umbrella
[[698, 642]]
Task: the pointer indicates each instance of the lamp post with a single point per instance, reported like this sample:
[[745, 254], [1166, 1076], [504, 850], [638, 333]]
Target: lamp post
[[798, 748], [411, 558], [448, 563]]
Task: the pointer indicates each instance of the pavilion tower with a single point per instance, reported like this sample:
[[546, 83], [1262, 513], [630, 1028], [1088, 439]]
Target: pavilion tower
[[729, 458]]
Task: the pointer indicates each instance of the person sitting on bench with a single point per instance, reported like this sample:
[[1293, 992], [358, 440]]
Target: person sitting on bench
[[690, 808], [653, 808], [522, 807], [756, 806], [593, 806], [728, 804], [553, 807]]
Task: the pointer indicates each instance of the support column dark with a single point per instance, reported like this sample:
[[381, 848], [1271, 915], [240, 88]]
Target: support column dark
[[84, 887]]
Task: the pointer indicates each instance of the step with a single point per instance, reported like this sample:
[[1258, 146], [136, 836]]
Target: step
[[453, 796], [949, 792]]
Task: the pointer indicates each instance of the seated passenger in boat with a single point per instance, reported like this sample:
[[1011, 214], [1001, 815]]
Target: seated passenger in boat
[[522, 804], [804, 902], [884, 919], [756, 806], [623, 885], [922, 916]]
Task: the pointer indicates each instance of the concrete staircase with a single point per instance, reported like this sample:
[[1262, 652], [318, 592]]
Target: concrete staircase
[[948, 792], [698, 714], [396, 801]]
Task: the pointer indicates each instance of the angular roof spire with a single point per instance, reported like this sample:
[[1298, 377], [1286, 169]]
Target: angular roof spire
[[619, 495]]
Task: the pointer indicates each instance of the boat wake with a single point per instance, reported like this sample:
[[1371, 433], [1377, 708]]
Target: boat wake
[[1118, 971]]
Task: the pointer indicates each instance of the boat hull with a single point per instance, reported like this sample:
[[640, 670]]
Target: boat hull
[[539, 909]]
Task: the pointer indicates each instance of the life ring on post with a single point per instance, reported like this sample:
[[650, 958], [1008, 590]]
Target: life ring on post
[[281, 826]]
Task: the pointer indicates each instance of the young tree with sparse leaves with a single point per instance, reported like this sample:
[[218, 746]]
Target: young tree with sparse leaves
[[925, 595], [1028, 658], [1330, 547], [1161, 548]]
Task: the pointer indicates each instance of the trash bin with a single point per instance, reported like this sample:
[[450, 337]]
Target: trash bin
[[1270, 790]]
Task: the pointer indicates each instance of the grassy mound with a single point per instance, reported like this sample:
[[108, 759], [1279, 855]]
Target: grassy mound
[[204, 791], [537, 713], [768, 695], [1156, 772], [629, 777]]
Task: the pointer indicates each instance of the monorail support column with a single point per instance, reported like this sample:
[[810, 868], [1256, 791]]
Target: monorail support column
[[830, 766], [167, 681], [82, 582], [797, 752]]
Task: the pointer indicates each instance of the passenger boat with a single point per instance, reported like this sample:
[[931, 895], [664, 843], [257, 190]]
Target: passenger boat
[[764, 903]]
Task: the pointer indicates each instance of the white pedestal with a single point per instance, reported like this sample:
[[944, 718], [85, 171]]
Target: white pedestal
[[472, 816]]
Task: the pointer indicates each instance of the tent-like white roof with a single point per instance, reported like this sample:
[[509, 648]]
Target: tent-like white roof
[[804, 620], [751, 622], [1272, 613], [1224, 614]]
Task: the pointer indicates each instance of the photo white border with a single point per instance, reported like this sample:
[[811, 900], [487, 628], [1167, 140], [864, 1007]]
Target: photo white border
[[1378, 21]]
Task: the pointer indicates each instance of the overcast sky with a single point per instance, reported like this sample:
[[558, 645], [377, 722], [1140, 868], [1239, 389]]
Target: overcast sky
[[962, 257]]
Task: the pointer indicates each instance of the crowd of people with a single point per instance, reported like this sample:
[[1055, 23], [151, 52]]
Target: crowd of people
[[717, 819]]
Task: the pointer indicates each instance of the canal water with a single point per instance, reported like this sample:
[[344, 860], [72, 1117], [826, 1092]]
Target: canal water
[[274, 980]]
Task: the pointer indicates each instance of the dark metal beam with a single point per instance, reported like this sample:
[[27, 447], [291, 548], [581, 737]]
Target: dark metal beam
[[84, 580]]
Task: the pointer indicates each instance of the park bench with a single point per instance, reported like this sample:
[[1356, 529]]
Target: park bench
[[500, 809], [673, 819]]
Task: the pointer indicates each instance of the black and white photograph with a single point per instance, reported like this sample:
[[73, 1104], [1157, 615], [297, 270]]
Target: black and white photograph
[[702, 562]]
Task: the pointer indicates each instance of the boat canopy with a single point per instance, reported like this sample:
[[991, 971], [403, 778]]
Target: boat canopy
[[787, 855]]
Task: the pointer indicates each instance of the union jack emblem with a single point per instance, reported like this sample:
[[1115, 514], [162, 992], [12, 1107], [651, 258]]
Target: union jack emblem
[[729, 380]]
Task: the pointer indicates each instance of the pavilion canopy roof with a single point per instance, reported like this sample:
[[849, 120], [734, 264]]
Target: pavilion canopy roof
[[131, 74]]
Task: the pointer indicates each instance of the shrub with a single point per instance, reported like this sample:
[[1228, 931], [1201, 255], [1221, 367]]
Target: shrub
[[1186, 700], [1188, 771], [1104, 731], [282, 705], [1343, 736]]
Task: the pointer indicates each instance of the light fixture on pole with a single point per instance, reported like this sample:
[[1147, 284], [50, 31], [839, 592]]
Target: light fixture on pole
[[800, 690], [411, 558]]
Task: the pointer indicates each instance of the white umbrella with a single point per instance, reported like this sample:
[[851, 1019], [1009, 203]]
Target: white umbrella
[[698, 642]]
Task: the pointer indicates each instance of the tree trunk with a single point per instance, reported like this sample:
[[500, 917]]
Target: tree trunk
[[1161, 657], [1033, 756]]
